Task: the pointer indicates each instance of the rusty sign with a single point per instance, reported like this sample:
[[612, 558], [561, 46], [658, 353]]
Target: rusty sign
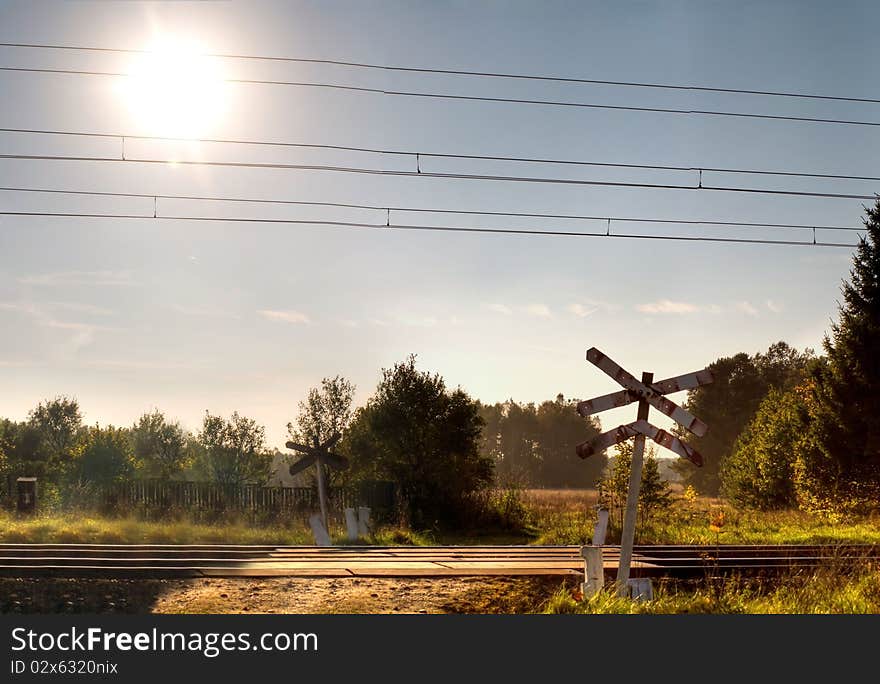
[[652, 394], [639, 427]]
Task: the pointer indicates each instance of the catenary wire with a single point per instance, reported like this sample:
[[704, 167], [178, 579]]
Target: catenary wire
[[462, 72], [428, 210], [480, 98], [433, 228], [437, 175], [444, 155]]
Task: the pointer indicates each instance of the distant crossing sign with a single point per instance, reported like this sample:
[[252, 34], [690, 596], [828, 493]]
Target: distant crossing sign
[[319, 454], [647, 393]]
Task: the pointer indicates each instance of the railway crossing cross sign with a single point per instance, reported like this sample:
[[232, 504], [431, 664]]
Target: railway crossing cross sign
[[319, 454], [647, 393]]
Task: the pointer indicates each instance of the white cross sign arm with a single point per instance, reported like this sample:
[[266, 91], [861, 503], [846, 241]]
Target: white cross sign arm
[[605, 440], [671, 442], [639, 427], [301, 464], [643, 391], [605, 402], [684, 382], [624, 397]]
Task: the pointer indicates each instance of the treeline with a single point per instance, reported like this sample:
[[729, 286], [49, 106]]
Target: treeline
[[443, 450], [54, 445], [788, 429], [534, 445]]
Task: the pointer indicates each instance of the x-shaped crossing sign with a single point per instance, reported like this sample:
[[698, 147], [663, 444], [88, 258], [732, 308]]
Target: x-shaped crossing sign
[[318, 452], [651, 393]]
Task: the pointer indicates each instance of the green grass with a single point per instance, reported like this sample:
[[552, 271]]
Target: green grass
[[93, 529], [826, 591]]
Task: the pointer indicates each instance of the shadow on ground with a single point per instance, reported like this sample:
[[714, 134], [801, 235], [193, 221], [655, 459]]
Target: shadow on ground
[[291, 595]]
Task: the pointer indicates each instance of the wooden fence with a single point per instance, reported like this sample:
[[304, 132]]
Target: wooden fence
[[156, 497]]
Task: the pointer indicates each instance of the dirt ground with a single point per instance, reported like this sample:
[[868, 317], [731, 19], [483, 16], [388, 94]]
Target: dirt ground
[[280, 595]]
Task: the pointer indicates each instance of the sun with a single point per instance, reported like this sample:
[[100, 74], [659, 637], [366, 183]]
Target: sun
[[173, 89]]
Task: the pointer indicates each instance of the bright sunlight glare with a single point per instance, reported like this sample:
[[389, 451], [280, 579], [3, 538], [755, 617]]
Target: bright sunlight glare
[[175, 90]]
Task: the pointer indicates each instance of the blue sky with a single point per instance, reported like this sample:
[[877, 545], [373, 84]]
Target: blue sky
[[128, 315]]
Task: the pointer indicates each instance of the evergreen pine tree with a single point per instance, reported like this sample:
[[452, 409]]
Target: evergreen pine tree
[[846, 467]]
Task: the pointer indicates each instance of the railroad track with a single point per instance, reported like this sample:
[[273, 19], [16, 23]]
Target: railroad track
[[160, 560]]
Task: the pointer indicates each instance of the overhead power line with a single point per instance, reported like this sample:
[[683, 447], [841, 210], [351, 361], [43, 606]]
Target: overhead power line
[[388, 223], [480, 98], [449, 229], [417, 155], [437, 175], [385, 209], [463, 72]]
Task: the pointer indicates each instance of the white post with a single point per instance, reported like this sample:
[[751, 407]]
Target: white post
[[319, 531], [351, 524], [363, 521], [594, 570], [601, 528], [632, 500]]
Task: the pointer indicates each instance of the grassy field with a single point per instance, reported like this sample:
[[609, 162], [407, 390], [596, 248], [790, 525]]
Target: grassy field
[[568, 517], [92, 529], [554, 517], [86, 529]]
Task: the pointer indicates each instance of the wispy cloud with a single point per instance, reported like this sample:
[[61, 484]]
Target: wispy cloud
[[539, 310], [68, 278], [746, 308], [775, 307], [81, 333], [420, 321], [199, 312], [136, 365], [284, 316], [667, 306], [582, 311], [19, 307], [500, 308], [34, 310], [82, 308]]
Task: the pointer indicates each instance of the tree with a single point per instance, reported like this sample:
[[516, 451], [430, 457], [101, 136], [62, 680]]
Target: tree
[[103, 455], [325, 412], [27, 453], [560, 430], [58, 422], [760, 472], [160, 446], [846, 465], [729, 403], [7, 445], [234, 450], [654, 492], [426, 439]]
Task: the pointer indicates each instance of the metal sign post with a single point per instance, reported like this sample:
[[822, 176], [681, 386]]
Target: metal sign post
[[632, 496], [647, 393]]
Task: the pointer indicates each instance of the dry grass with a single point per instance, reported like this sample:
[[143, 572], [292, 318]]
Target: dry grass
[[562, 516]]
